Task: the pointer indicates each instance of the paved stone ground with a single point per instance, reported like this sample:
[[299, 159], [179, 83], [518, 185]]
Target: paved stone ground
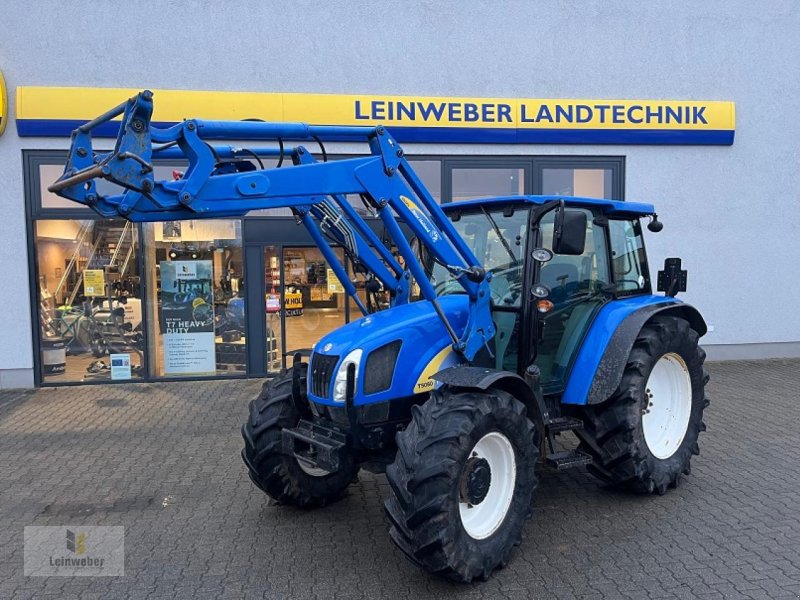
[[163, 461]]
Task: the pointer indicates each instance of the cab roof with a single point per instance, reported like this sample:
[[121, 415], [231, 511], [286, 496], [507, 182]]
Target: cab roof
[[611, 207]]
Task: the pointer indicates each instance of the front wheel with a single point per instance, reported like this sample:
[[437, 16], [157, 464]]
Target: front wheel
[[284, 478], [462, 482], [644, 436]]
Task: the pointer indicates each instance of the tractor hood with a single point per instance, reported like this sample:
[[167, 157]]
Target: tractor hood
[[400, 348]]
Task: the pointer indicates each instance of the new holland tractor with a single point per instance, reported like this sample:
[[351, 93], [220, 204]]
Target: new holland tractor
[[510, 321]]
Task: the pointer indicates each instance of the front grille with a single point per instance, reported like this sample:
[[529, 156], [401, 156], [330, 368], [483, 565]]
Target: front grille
[[322, 372], [379, 369]]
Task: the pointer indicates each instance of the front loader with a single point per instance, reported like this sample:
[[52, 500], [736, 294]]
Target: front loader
[[510, 320]]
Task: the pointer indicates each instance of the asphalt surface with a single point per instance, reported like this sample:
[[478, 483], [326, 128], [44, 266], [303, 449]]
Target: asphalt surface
[[162, 460]]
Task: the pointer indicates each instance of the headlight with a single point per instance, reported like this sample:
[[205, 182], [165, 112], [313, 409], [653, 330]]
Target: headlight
[[340, 383]]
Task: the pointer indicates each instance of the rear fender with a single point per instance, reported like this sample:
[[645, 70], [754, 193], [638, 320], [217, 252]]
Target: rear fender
[[600, 363]]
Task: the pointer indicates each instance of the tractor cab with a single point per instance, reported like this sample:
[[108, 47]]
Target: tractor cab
[[545, 294]]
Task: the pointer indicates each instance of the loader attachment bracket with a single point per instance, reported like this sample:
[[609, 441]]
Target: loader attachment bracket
[[128, 165]]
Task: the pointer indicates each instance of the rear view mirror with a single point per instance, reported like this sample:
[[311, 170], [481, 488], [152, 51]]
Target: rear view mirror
[[569, 236]]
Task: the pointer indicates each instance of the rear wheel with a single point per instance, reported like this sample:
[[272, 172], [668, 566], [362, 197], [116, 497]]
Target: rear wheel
[[462, 482], [644, 436], [284, 478]]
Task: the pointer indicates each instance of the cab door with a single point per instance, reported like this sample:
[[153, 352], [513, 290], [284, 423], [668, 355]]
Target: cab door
[[578, 287]]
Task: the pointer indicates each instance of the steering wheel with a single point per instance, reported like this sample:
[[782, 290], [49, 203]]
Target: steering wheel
[[510, 297]]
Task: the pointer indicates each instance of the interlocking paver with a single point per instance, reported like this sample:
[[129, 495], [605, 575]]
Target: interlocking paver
[[163, 461]]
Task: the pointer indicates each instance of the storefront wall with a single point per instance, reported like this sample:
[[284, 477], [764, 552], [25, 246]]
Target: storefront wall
[[183, 299], [729, 211]]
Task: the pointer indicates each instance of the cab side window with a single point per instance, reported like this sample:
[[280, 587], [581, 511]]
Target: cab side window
[[569, 276], [628, 257], [577, 287]]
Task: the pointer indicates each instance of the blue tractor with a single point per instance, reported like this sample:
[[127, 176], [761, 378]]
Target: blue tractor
[[510, 320]]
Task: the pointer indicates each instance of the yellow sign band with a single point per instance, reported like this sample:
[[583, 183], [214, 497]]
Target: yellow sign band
[[56, 110]]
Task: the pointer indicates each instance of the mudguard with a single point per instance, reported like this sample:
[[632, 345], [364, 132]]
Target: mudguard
[[483, 378], [600, 363]]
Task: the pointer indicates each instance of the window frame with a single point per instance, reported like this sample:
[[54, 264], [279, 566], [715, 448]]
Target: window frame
[[32, 160], [451, 164], [533, 167], [616, 164]]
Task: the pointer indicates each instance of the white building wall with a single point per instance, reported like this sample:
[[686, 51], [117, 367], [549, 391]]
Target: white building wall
[[730, 212]]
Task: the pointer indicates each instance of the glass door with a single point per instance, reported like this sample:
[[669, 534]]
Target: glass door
[[313, 298], [301, 300], [576, 286]]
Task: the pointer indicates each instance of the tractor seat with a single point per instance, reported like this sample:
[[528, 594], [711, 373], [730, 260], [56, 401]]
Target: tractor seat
[[559, 272]]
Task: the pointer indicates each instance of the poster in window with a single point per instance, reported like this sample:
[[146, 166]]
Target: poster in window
[[334, 285], [187, 317], [171, 231], [120, 366], [94, 283]]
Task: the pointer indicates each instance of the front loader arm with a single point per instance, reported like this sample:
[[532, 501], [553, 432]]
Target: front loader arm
[[315, 191]]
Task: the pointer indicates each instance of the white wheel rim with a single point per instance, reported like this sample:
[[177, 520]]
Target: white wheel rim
[[309, 470], [668, 398], [482, 520]]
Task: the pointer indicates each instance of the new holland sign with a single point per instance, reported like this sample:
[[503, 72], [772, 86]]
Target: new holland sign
[[3, 104], [54, 111]]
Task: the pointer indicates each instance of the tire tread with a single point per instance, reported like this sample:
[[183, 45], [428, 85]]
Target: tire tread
[[610, 430]]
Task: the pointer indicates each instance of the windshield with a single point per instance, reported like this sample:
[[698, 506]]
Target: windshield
[[498, 242]]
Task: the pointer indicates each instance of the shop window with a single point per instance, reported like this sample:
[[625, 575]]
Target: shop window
[[430, 172], [196, 302], [469, 183], [90, 303], [590, 176], [581, 176], [586, 183]]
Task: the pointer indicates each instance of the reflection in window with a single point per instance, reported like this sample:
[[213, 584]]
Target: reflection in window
[[89, 294], [586, 183], [430, 172], [196, 306], [483, 182]]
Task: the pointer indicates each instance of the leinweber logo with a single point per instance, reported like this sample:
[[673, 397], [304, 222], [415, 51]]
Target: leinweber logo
[[76, 544], [74, 551], [185, 269]]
